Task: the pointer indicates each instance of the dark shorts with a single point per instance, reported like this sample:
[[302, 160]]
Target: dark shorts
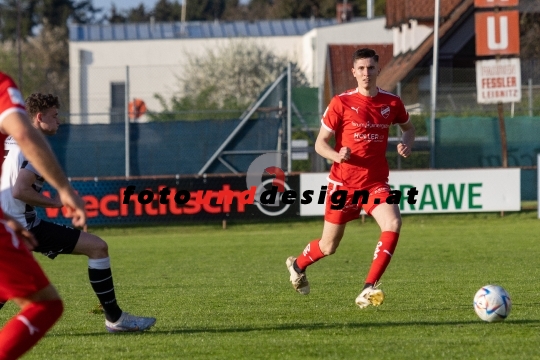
[[54, 239]]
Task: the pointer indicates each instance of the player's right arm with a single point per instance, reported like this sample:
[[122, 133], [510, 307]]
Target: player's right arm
[[37, 151], [331, 120], [323, 148], [23, 190]]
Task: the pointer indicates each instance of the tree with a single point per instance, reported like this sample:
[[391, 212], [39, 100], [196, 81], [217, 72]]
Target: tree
[[245, 69], [168, 11], [227, 10], [8, 18], [300, 9], [115, 16], [360, 7], [34, 13], [258, 9], [45, 67], [530, 33], [57, 12], [234, 11], [139, 14], [205, 10]]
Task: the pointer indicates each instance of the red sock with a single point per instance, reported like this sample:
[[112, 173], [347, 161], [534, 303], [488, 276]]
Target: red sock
[[311, 254], [383, 254], [26, 328]]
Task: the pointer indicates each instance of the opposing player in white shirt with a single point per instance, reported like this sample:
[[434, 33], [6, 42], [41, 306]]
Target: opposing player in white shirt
[[21, 277], [21, 187]]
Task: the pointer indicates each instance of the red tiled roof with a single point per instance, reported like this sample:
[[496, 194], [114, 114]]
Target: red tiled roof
[[338, 76], [401, 11], [401, 65]]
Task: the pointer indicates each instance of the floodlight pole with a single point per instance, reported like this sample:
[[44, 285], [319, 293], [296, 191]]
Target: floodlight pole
[[184, 9], [370, 13], [126, 119], [289, 118], [434, 73], [183, 17], [19, 40], [530, 97]]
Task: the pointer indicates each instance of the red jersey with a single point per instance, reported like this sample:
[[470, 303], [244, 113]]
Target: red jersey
[[362, 123], [11, 101]]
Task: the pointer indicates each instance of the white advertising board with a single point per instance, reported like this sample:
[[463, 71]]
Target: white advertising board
[[498, 81], [439, 191]]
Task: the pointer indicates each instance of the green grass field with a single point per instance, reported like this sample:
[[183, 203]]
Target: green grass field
[[224, 294]]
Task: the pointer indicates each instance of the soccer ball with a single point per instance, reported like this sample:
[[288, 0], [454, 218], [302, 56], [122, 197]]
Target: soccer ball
[[492, 303]]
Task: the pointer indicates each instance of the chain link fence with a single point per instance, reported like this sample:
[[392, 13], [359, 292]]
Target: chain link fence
[[98, 94], [457, 93]]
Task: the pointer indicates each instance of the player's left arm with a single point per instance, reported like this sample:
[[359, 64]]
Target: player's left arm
[[404, 148], [23, 190]]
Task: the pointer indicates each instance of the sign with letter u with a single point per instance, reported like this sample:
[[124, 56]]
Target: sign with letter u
[[497, 33]]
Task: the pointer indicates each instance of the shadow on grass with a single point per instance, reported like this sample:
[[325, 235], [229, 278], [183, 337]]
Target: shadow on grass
[[314, 326]]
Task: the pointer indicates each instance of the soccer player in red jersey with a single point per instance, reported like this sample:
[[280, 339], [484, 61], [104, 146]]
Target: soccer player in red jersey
[[21, 278], [359, 120]]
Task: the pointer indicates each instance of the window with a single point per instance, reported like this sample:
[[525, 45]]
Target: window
[[118, 102]]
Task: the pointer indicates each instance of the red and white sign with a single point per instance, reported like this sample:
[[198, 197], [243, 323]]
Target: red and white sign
[[498, 81], [497, 33], [495, 3]]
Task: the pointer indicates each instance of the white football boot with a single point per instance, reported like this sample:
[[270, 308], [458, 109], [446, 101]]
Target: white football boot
[[128, 322], [370, 296], [299, 280]]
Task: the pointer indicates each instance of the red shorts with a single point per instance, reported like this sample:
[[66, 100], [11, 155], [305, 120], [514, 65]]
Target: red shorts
[[20, 274], [349, 211]]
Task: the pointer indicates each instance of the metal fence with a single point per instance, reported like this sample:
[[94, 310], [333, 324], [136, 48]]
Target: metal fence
[[457, 93], [98, 94]]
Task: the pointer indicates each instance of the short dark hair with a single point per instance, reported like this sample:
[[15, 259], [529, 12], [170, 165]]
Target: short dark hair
[[365, 53], [38, 102]]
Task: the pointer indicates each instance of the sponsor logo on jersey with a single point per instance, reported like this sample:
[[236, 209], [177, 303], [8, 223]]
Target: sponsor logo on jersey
[[385, 111], [355, 109], [368, 137], [370, 125]]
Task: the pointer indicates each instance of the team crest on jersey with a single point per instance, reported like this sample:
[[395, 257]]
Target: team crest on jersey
[[385, 111], [15, 96]]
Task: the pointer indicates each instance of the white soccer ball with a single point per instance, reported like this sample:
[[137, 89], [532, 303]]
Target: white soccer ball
[[492, 303]]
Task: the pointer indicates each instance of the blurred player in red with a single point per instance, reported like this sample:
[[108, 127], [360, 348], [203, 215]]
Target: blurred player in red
[[21, 278], [359, 120]]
